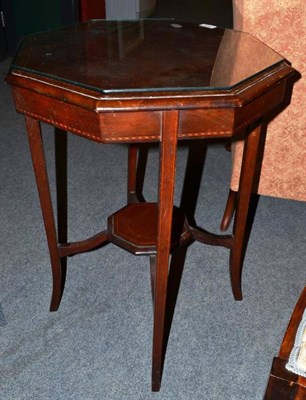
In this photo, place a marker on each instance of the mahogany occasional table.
(284, 384)
(146, 81)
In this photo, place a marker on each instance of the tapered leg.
(137, 161)
(153, 276)
(132, 172)
(174, 282)
(229, 210)
(39, 165)
(165, 210)
(248, 172)
(193, 178)
(61, 193)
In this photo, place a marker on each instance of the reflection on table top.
(144, 55)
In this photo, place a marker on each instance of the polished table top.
(144, 56)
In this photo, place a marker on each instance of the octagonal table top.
(145, 56)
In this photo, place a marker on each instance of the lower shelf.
(134, 228)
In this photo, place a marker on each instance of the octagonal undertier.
(134, 228)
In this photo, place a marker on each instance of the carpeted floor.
(98, 345)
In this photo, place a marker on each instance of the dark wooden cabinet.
(214, 12)
(3, 45)
(91, 9)
(25, 17)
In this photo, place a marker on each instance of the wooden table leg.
(132, 172)
(165, 210)
(60, 137)
(137, 161)
(192, 180)
(248, 172)
(229, 210)
(39, 165)
(284, 384)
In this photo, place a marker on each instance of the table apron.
(143, 126)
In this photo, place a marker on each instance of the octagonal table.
(146, 81)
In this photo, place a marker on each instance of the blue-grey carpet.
(98, 345)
